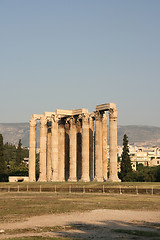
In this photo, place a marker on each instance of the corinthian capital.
(85, 117)
(43, 121)
(33, 122)
(113, 113)
(98, 115)
(55, 118)
(66, 125)
(72, 121)
(78, 123)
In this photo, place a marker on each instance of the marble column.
(113, 145)
(104, 147)
(54, 149)
(73, 151)
(43, 145)
(79, 149)
(91, 148)
(67, 150)
(98, 148)
(61, 153)
(49, 154)
(85, 148)
(32, 150)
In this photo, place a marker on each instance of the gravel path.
(96, 224)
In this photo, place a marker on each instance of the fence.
(81, 189)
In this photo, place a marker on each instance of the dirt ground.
(95, 224)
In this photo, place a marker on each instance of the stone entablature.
(73, 145)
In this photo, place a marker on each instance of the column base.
(54, 180)
(61, 180)
(98, 179)
(105, 179)
(84, 180)
(42, 180)
(114, 179)
(72, 179)
(32, 180)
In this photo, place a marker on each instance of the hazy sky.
(79, 53)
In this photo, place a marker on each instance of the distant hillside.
(12, 132)
(139, 135)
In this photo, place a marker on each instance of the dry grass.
(19, 206)
(39, 229)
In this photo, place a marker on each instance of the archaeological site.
(73, 145)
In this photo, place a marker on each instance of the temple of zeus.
(73, 145)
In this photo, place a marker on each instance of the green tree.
(157, 174)
(19, 157)
(10, 154)
(20, 170)
(125, 162)
(3, 165)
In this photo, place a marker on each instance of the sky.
(68, 54)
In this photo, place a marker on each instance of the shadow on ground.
(113, 230)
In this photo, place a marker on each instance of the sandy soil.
(96, 224)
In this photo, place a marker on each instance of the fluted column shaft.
(73, 151)
(43, 145)
(98, 148)
(113, 145)
(32, 150)
(85, 148)
(79, 149)
(67, 150)
(54, 149)
(104, 147)
(61, 153)
(91, 148)
(49, 154)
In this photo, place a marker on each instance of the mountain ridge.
(137, 134)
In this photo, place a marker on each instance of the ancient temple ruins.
(73, 145)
